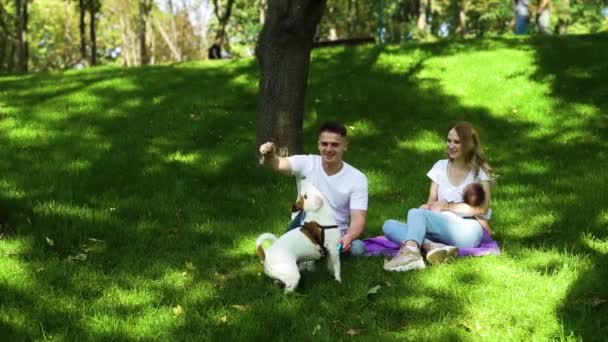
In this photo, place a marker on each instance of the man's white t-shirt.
(452, 193)
(345, 190)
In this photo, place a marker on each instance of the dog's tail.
(259, 248)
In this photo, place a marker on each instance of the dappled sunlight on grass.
(425, 141)
(362, 128)
(602, 218)
(9, 190)
(594, 243)
(185, 158)
(537, 220)
(533, 167)
(380, 182)
(63, 210)
(146, 183)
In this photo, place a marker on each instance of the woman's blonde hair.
(471, 147)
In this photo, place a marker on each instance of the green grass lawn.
(136, 197)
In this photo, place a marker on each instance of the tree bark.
(283, 53)
(262, 11)
(421, 22)
(174, 49)
(93, 33)
(144, 11)
(222, 18)
(21, 45)
(82, 26)
(4, 38)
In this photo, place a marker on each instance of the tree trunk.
(203, 27)
(25, 51)
(92, 24)
(283, 52)
(462, 20)
(421, 22)
(3, 49)
(144, 12)
(4, 38)
(82, 26)
(262, 11)
(220, 34)
(333, 26)
(174, 49)
(21, 34)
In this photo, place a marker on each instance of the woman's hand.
(439, 206)
(425, 206)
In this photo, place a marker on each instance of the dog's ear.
(299, 205)
(313, 231)
(260, 252)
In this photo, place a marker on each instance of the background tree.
(82, 26)
(283, 52)
(6, 38)
(222, 14)
(21, 42)
(93, 7)
(145, 6)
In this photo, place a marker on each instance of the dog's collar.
(323, 228)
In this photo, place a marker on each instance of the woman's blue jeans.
(439, 227)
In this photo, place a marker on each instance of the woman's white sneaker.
(438, 253)
(408, 258)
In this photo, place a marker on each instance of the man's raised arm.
(270, 159)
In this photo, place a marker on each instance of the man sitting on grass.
(344, 186)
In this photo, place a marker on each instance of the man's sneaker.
(407, 259)
(438, 253)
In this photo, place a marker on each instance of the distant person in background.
(522, 16)
(215, 51)
(543, 17)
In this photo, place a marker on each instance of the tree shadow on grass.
(160, 169)
(576, 67)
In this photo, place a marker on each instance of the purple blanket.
(382, 246)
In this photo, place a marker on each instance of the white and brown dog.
(318, 236)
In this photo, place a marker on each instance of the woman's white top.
(450, 192)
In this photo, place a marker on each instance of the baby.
(474, 195)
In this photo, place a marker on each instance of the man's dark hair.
(333, 127)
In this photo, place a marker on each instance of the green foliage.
(54, 35)
(145, 182)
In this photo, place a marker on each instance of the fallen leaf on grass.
(597, 301)
(178, 310)
(190, 266)
(316, 329)
(465, 326)
(224, 319)
(79, 257)
(352, 332)
(239, 307)
(50, 242)
(374, 290)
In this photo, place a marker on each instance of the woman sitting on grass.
(445, 223)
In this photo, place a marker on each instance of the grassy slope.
(157, 164)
